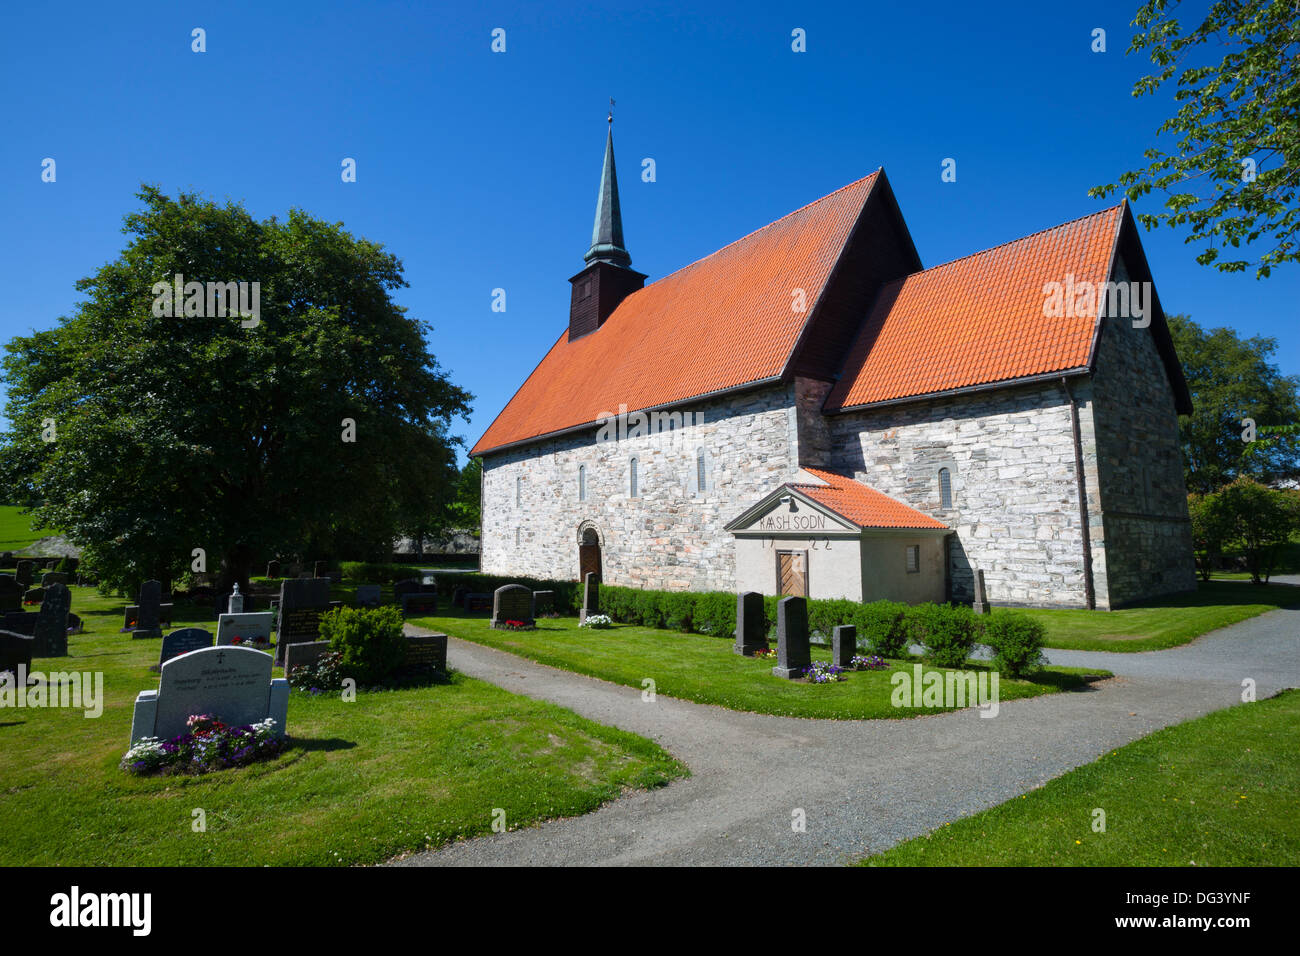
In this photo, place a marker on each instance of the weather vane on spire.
(611, 111)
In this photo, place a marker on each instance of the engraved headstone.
(844, 644)
(512, 602)
(232, 684)
(147, 619)
(25, 574)
(53, 577)
(590, 596)
(302, 602)
(273, 569)
(751, 624)
(368, 595)
(458, 597)
(543, 603)
(478, 601)
(236, 605)
(11, 593)
(182, 642)
(318, 569)
(302, 654)
(34, 596)
(419, 602)
(250, 628)
(52, 623)
(426, 650)
(793, 653)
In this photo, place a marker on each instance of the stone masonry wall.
(1015, 505)
(671, 535)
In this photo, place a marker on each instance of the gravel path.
(863, 785)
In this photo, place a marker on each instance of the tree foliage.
(467, 508)
(180, 433)
(1232, 379)
(1248, 516)
(1235, 170)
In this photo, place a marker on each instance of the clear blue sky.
(479, 170)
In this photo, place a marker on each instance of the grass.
(392, 773)
(705, 669)
(16, 531)
(1164, 622)
(1215, 791)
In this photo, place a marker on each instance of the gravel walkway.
(863, 785)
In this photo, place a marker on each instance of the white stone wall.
(671, 535)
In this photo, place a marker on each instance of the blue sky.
(479, 169)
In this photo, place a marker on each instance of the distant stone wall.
(1015, 506)
(671, 535)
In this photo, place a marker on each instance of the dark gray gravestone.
(20, 622)
(273, 569)
(11, 593)
(844, 644)
(146, 620)
(478, 601)
(53, 577)
(300, 655)
(419, 602)
(369, 595)
(512, 602)
(981, 605)
(34, 596)
(302, 602)
(74, 623)
(15, 652)
(426, 650)
(52, 623)
(543, 603)
(182, 642)
(751, 624)
(458, 597)
(590, 596)
(25, 574)
(318, 569)
(792, 651)
(403, 587)
(7, 560)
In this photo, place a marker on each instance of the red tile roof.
(864, 506)
(719, 323)
(980, 319)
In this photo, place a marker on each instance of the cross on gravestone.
(844, 644)
(52, 623)
(302, 602)
(25, 574)
(146, 619)
(232, 684)
(793, 652)
(182, 642)
(590, 596)
(751, 624)
(980, 605)
(512, 602)
(11, 593)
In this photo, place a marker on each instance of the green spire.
(607, 233)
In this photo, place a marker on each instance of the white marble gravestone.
(253, 626)
(231, 683)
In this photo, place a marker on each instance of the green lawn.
(704, 669)
(1165, 622)
(16, 530)
(1216, 791)
(392, 773)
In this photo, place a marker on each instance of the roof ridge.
(1009, 242)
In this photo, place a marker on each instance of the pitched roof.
(719, 323)
(979, 319)
(864, 506)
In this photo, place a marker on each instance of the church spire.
(607, 233)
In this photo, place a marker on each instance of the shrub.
(646, 610)
(1017, 642)
(370, 641)
(882, 628)
(678, 609)
(715, 613)
(366, 572)
(947, 632)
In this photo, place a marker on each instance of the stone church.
(810, 411)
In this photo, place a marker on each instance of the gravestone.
(232, 684)
(52, 623)
(543, 603)
(844, 644)
(20, 622)
(302, 602)
(74, 623)
(53, 577)
(147, 615)
(369, 595)
(25, 574)
(980, 605)
(273, 569)
(426, 650)
(751, 624)
(478, 601)
(250, 628)
(590, 596)
(458, 597)
(419, 602)
(793, 653)
(11, 593)
(130, 618)
(318, 569)
(300, 655)
(7, 560)
(512, 602)
(15, 652)
(34, 596)
(236, 604)
(182, 642)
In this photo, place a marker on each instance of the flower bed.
(820, 672)
(873, 662)
(597, 621)
(209, 745)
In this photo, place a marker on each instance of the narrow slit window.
(945, 488)
(582, 482)
(701, 479)
(632, 478)
(913, 558)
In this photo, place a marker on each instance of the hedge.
(367, 572)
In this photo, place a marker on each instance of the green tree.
(172, 434)
(1235, 168)
(1212, 528)
(1262, 520)
(467, 509)
(1232, 379)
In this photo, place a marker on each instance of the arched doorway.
(589, 553)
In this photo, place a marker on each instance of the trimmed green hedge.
(367, 572)
(568, 594)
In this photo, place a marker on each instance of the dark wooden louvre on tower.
(608, 278)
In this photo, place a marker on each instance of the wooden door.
(588, 560)
(792, 573)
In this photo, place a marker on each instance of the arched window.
(945, 488)
(519, 492)
(701, 475)
(632, 478)
(582, 482)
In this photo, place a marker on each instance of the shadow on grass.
(325, 744)
(1220, 593)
